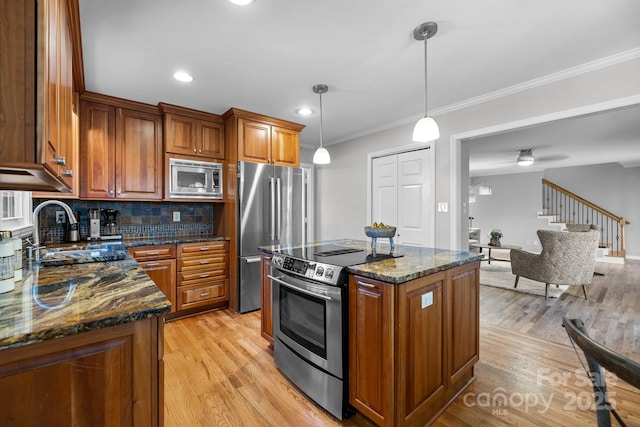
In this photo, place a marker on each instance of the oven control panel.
(325, 273)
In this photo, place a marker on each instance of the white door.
(403, 195)
(385, 190)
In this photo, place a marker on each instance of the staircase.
(561, 207)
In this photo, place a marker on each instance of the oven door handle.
(304, 291)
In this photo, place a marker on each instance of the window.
(15, 211)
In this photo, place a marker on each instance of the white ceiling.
(267, 56)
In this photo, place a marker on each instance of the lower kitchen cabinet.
(203, 275)
(266, 326)
(412, 346)
(108, 376)
(159, 262)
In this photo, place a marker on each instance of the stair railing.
(570, 208)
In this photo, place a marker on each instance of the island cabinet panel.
(464, 315)
(110, 376)
(412, 346)
(266, 313)
(371, 359)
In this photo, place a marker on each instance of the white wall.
(342, 184)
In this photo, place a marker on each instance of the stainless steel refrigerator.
(271, 211)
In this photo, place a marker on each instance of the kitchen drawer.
(203, 248)
(198, 295)
(150, 253)
(205, 262)
(195, 277)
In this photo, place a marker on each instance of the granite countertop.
(55, 301)
(171, 240)
(407, 263)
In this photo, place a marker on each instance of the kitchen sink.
(79, 254)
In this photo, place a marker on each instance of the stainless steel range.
(310, 313)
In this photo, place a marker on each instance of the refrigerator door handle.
(278, 209)
(272, 206)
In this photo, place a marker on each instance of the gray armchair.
(566, 259)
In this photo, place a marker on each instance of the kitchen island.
(82, 344)
(413, 334)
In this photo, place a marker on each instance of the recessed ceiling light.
(242, 2)
(182, 76)
(305, 111)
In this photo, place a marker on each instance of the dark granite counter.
(407, 263)
(173, 240)
(56, 301)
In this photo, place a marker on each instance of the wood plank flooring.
(219, 371)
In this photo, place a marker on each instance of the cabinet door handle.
(111, 192)
(119, 192)
(199, 151)
(195, 151)
(68, 173)
(61, 161)
(368, 285)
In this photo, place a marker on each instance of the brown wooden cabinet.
(36, 47)
(203, 275)
(193, 133)
(266, 319)
(263, 139)
(412, 346)
(159, 262)
(121, 149)
(113, 375)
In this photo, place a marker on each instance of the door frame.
(398, 150)
(456, 186)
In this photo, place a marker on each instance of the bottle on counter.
(7, 269)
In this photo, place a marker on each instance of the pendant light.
(426, 129)
(321, 156)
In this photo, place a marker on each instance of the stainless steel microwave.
(194, 179)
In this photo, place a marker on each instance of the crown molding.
(520, 87)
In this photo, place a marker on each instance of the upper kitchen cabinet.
(120, 149)
(192, 133)
(36, 131)
(262, 139)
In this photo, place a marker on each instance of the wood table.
(488, 246)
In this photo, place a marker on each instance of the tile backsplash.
(137, 220)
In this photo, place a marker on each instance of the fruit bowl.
(380, 231)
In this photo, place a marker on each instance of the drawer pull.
(202, 276)
(153, 253)
(368, 285)
(153, 264)
(204, 262)
(204, 294)
(205, 249)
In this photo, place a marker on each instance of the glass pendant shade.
(426, 130)
(321, 156)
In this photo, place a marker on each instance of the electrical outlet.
(176, 216)
(60, 218)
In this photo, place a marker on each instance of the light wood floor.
(220, 372)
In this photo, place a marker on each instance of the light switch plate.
(443, 207)
(427, 299)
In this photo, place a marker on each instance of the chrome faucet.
(35, 241)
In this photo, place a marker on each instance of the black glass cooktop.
(337, 255)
